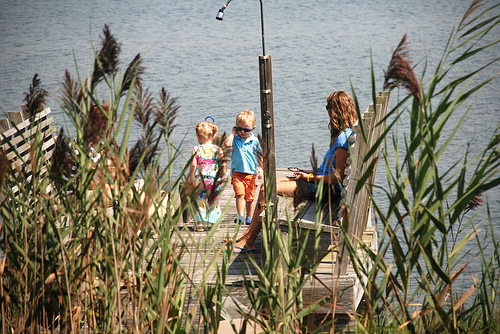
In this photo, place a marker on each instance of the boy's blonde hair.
(206, 130)
(246, 116)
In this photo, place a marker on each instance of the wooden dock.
(347, 287)
(335, 277)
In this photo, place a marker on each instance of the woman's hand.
(297, 176)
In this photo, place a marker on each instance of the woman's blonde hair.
(206, 130)
(342, 112)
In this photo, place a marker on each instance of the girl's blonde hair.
(206, 130)
(342, 112)
(246, 116)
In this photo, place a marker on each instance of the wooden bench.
(18, 133)
(336, 267)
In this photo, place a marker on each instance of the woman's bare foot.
(243, 245)
(238, 239)
(230, 240)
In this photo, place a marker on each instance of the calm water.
(212, 66)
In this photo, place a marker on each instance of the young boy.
(246, 163)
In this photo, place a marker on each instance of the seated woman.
(342, 113)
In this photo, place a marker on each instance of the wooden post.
(267, 120)
(16, 117)
(4, 125)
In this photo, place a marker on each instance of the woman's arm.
(340, 164)
(338, 174)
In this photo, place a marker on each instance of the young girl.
(207, 160)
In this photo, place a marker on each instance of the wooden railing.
(358, 201)
(17, 135)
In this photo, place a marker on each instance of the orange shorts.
(244, 184)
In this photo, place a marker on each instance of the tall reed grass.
(111, 256)
(428, 220)
(98, 253)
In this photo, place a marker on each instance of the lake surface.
(212, 66)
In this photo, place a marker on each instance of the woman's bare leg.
(246, 240)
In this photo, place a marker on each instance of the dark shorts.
(306, 191)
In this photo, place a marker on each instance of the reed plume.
(472, 8)
(134, 70)
(167, 110)
(144, 109)
(98, 124)
(400, 72)
(71, 93)
(62, 160)
(106, 63)
(155, 122)
(36, 96)
(474, 203)
(143, 114)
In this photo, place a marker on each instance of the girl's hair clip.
(211, 118)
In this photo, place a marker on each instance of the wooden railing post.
(359, 204)
(267, 120)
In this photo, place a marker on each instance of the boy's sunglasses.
(243, 129)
